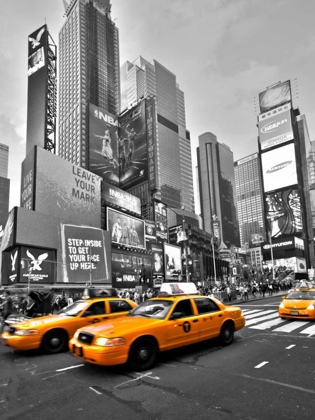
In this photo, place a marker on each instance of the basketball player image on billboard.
(107, 150)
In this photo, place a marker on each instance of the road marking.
(97, 392)
(250, 311)
(268, 324)
(70, 367)
(263, 318)
(52, 376)
(261, 365)
(291, 326)
(309, 330)
(260, 314)
(290, 347)
(270, 381)
(145, 375)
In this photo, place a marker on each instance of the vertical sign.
(151, 142)
(27, 181)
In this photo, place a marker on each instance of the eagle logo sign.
(36, 42)
(36, 263)
(13, 261)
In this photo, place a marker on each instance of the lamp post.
(213, 257)
(271, 252)
(185, 248)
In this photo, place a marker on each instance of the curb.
(254, 299)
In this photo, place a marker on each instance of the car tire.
(227, 334)
(142, 354)
(55, 341)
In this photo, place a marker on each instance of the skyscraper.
(4, 160)
(4, 186)
(249, 197)
(141, 79)
(217, 189)
(88, 73)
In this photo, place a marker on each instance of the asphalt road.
(267, 373)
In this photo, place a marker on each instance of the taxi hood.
(43, 320)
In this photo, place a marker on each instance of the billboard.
(133, 157)
(281, 244)
(284, 213)
(66, 191)
(275, 127)
(157, 261)
(255, 239)
(173, 261)
(150, 230)
(125, 229)
(120, 198)
(86, 254)
(275, 96)
(130, 270)
(216, 229)
(27, 182)
(151, 142)
(160, 217)
(37, 264)
(104, 144)
(298, 265)
(279, 168)
(177, 233)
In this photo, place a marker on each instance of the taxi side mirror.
(176, 315)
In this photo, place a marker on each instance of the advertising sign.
(133, 157)
(104, 145)
(275, 96)
(157, 261)
(37, 264)
(177, 232)
(10, 266)
(173, 261)
(125, 229)
(130, 270)
(150, 230)
(151, 142)
(298, 265)
(86, 254)
(284, 213)
(27, 182)
(66, 191)
(216, 229)
(275, 127)
(281, 244)
(279, 168)
(247, 159)
(256, 239)
(160, 216)
(120, 198)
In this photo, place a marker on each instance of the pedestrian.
(7, 308)
(246, 293)
(228, 291)
(270, 289)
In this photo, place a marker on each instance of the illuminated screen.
(284, 213)
(104, 145)
(173, 261)
(133, 156)
(279, 168)
(39, 264)
(120, 198)
(160, 215)
(275, 127)
(157, 260)
(129, 270)
(256, 239)
(275, 96)
(125, 229)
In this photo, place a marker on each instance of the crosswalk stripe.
(291, 326)
(268, 324)
(310, 330)
(250, 311)
(260, 314)
(263, 318)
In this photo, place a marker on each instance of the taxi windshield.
(157, 309)
(298, 295)
(74, 309)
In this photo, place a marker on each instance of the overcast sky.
(223, 53)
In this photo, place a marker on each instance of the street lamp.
(185, 248)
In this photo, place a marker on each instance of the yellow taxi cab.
(299, 303)
(52, 333)
(179, 316)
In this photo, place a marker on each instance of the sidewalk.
(251, 298)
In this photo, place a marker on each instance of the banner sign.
(124, 229)
(275, 96)
(27, 181)
(275, 127)
(120, 198)
(157, 261)
(173, 261)
(151, 142)
(284, 213)
(86, 254)
(160, 216)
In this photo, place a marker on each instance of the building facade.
(141, 79)
(249, 197)
(217, 190)
(4, 186)
(88, 74)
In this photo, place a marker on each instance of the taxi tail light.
(311, 306)
(109, 342)
(26, 332)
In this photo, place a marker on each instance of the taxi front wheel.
(55, 341)
(227, 334)
(143, 354)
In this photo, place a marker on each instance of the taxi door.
(185, 329)
(93, 314)
(210, 317)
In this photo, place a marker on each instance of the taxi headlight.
(109, 342)
(311, 306)
(26, 332)
(76, 334)
(281, 305)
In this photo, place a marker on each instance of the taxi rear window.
(119, 306)
(157, 309)
(205, 305)
(298, 295)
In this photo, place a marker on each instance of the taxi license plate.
(294, 313)
(78, 351)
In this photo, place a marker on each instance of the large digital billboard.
(120, 198)
(157, 261)
(66, 191)
(256, 239)
(298, 265)
(130, 270)
(173, 261)
(86, 254)
(275, 127)
(284, 213)
(104, 145)
(133, 156)
(275, 96)
(160, 217)
(279, 168)
(125, 229)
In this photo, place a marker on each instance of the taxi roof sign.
(92, 293)
(177, 289)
